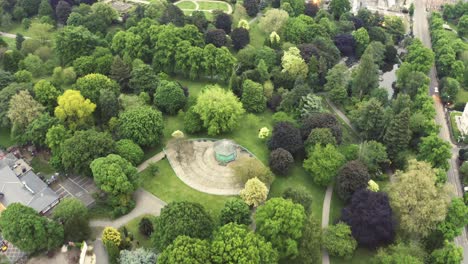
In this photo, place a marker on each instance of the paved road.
(421, 30)
(326, 218)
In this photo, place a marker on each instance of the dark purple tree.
(281, 161)
(371, 219)
(346, 44)
(357, 22)
(240, 38)
(353, 176)
(321, 120)
(286, 136)
(62, 11)
(251, 6)
(224, 22)
(311, 9)
(216, 37)
(307, 51)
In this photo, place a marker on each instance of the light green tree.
(294, 64)
(254, 193)
(339, 241)
(323, 163)
(74, 110)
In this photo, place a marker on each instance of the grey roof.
(224, 147)
(8, 160)
(27, 189)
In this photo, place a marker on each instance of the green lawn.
(5, 138)
(132, 227)
(360, 256)
(186, 5)
(167, 186)
(213, 6)
(11, 42)
(41, 165)
(453, 124)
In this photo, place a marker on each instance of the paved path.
(341, 115)
(153, 159)
(326, 218)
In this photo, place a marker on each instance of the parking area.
(79, 187)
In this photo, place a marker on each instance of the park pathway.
(197, 6)
(341, 115)
(146, 203)
(326, 219)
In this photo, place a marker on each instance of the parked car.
(436, 90)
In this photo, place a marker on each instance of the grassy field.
(186, 5)
(41, 165)
(462, 96)
(5, 138)
(142, 240)
(167, 186)
(453, 124)
(213, 6)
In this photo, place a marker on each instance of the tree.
(369, 119)
(400, 253)
(251, 6)
(420, 57)
(185, 249)
(192, 121)
(173, 14)
(321, 120)
(353, 176)
(321, 136)
(394, 25)
(181, 218)
(11, 59)
(398, 134)
(337, 239)
(234, 243)
(287, 137)
(463, 26)
(19, 40)
(370, 217)
(199, 20)
(373, 154)
(74, 110)
(254, 193)
(23, 110)
(224, 21)
(449, 254)
(300, 196)
(450, 88)
(281, 161)
(92, 84)
(140, 255)
(41, 32)
(339, 7)
(35, 132)
(83, 147)
(63, 76)
(27, 230)
(219, 110)
(46, 93)
(409, 81)
(310, 243)
(253, 99)
(418, 202)
(362, 40)
(456, 219)
(217, 37)
(112, 235)
(73, 215)
(23, 76)
(235, 211)
(293, 64)
(435, 151)
(5, 96)
(74, 42)
(145, 227)
(240, 38)
(108, 105)
(130, 151)
(337, 81)
(366, 78)
(62, 11)
(169, 97)
(143, 125)
(310, 104)
(143, 79)
(120, 72)
(118, 178)
(281, 221)
(273, 20)
(33, 64)
(45, 9)
(323, 163)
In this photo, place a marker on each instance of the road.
(421, 30)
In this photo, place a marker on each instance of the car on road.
(436, 90)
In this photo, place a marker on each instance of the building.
(19, 184)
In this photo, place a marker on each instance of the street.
(421, 31)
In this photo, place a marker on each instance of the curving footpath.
(197, 6)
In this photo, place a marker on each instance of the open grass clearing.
(139, 240)
(213, 5)
(186, 5)
(462, 96)
(41, 165)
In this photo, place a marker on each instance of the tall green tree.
(92, 84)
(449, 254)
(46, 93)
(23, 110)
(339, 7)
(185, 249)
(143, 125)
(169, 97)
(366, 78)
(27, 230)
(73, 215)
(253, 99)
(323, 163)
(74, 110)
(456, 219)
(234, 243)
(339, 241)
(398, 134)
(74, 42)
(281, 222)
(436, 151)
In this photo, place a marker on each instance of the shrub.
(286, 136)
(235, 211)
(145, 227)
(281, 161)
(300, 196)
(130, 151)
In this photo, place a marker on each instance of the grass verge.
(139, 239)
(5, 138)
(456, 133)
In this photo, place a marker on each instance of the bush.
(235, 211)
(192, 121)
(321, 120)
(146, 227)
(130, 151)
(169, 97)
(286, 136)
(337, 239)
(240, 38)
(281, 161)
(300, 196)
(352, 177)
